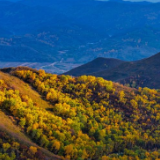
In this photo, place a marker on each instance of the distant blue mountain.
(78, 31)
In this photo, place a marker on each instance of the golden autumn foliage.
(56, 145)
(13, 150)
(89, 118)
(33, 150)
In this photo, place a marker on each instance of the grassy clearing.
(6, 123)
(25, 89)
(14, 131)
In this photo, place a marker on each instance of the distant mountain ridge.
(142, 73)
(74, 31)
(97, 65)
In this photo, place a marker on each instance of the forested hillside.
(14, 143)
(87, 117)
(13, 150)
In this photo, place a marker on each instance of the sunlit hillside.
(78, 118)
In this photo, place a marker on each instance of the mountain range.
(76, 32)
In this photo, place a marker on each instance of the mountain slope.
(24, 89)
(91, 117)
(9, 123)
(144, 73)
(99, 64)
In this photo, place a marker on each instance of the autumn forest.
(86, 118)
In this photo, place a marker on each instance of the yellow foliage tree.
(69, 149)
(33, 150)
(56, 145)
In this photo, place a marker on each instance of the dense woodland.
(90, 117)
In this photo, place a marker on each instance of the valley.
(56, 67)
(66, 31)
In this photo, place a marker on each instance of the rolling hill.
(142, 73)
(75, 117)
(48, 116)
(97, 65)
